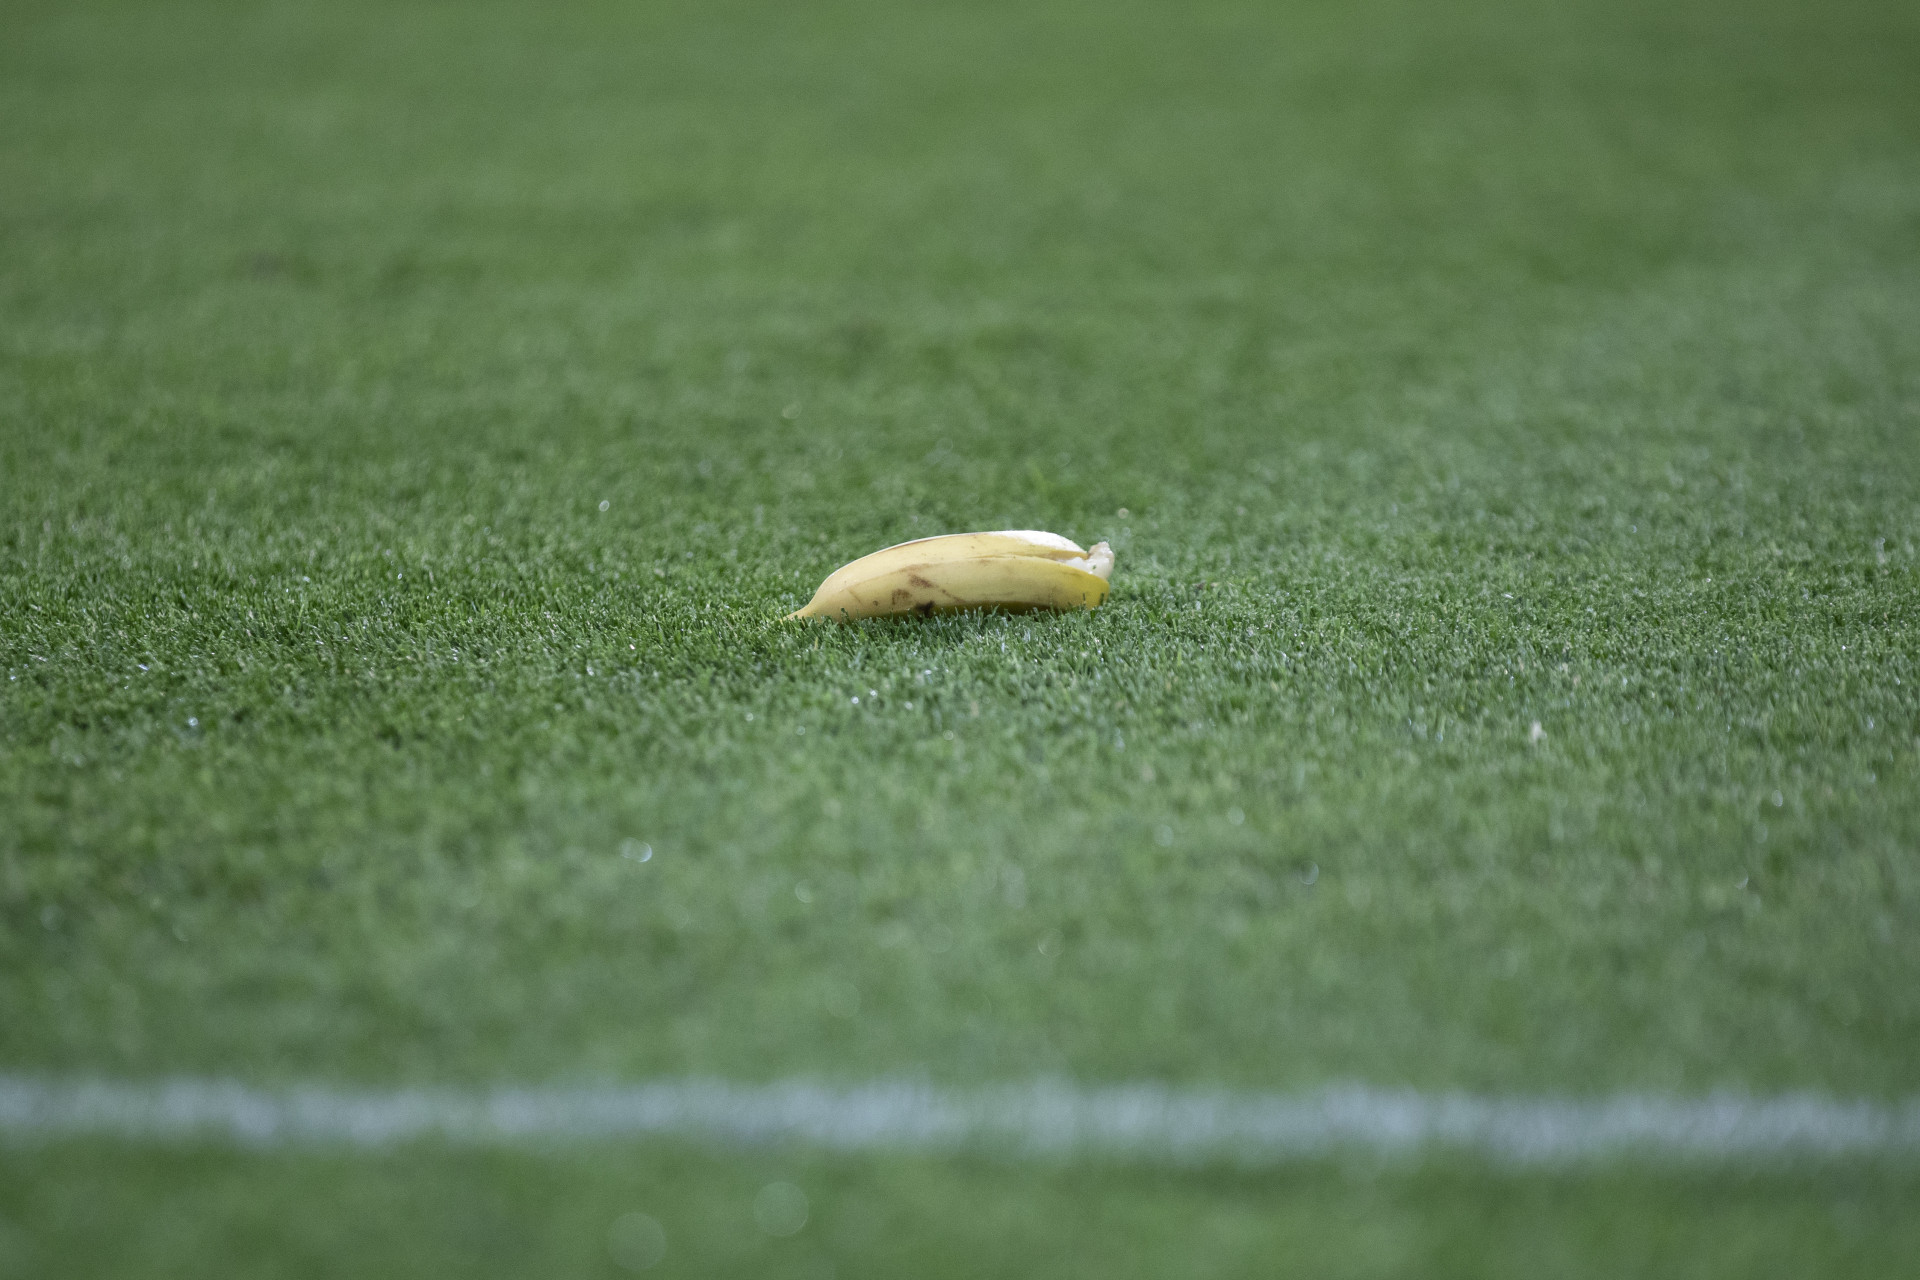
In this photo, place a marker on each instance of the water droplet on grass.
(635, 1242)
(780, 1209)
(1235, 816)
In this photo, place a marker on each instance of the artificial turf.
(414, 420)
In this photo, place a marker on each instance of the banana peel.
(1010, 569)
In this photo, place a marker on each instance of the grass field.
(414, 420)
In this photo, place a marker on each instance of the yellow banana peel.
(1011, 569)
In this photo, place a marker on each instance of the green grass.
(432, 1211)
(415, 419)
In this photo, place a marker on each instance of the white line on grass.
(1041, 1118)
